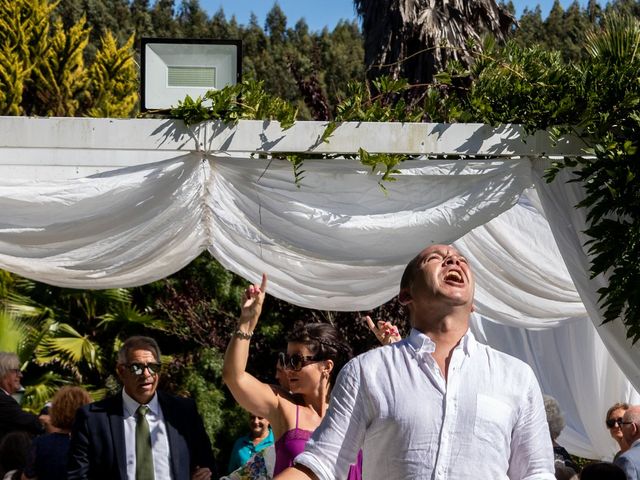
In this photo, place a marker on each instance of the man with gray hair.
(629, 461)
(140, 433)
(12, 417)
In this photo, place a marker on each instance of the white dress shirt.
(159, 438)
(487, 421)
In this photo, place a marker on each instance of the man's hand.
(385, 332)
(201, 473)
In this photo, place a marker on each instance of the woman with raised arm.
(315, 354)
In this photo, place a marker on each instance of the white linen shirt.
(486, 422)
(159, 438)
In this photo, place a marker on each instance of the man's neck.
(6, 388)
(445, 330)
(446, 333)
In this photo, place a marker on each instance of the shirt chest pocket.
(493, 421)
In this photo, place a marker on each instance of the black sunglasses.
(138, 368)
(612, 422)
(296, 361)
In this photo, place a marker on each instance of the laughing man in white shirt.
(438, 405)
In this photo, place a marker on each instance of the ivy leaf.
(328, 131)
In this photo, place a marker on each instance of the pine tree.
(342, 59)
(193, 20)
(43, 68)
(576, 23)
(59, 78)
(112, 80)
(625, 7)
(141, 18)
(218, 26)
(163, 19)
(24, 29)
(276, 24)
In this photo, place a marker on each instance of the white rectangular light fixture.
(172, 68)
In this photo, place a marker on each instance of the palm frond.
(12, 332)
(126, 314)
(70, 349)
(415, 39)
(41, 391)
(617, 41)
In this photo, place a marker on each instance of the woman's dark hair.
(325, 342)
(14, 449)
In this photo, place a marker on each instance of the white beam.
(75, 147)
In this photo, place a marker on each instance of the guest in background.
(629, 461)
(260, 437)
(613, 421)
(14, 448)
(141, 432)
(261, 465)
(556, 425)
(565, 473)
(48, 455)
(12, 417)
(602, 471)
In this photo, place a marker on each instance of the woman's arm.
(252, 395)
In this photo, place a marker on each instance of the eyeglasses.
(138, 368)
(613, 422)
(296, 361)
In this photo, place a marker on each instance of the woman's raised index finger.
(370, 323)
(263, 285)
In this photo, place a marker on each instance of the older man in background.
(629, 461)
(140, 433)
(12, 417)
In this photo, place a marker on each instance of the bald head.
(437, 284)
(631, 425)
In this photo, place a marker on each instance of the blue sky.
(321, 13)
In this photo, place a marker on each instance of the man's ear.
(473, 307)
(404, 297)
(120, 370)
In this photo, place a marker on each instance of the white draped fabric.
(340, 242)
(523, 284)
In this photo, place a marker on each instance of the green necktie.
(144, 456)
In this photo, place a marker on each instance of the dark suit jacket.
(13, 418)
(97, 448)
(629, 461)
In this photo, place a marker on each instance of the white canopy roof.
(97, 203)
